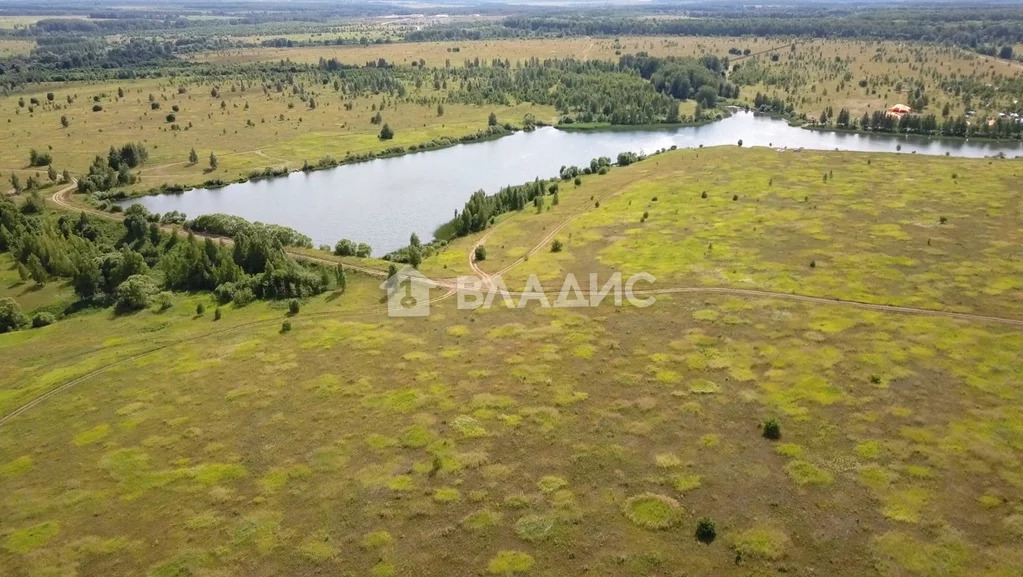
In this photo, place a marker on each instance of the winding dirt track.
(60, 198)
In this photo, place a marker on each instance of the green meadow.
(554, 442)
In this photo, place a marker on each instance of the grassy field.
(817, 73)
(871, 224)
(29, 296)
(250, 131)
(568, 441)
(13, 47)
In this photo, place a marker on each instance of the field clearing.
(435, 53)
(871, 224)
(289, 463)
(510, 441)
(14, 47)
(815, 71)
(29, 296)
(249, 131)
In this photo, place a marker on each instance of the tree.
(386, 133)
(480, 253)
(16, 183)
(415, 256)
(492, 119)
(135, 293)
(51, 173)
(707, 96)
(294, 306)
(772, 429)
(1006, 52)
(556, 246)
(36, 270)
(65, 176)
(213, 161)
(200, 309)
(10, 315)
(414, 240)
(440, 110)
(37, 158)
(341, 277)
(345, 247)
(672, 116)
(193, 157)
(64, 121)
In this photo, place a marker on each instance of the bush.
(285, 326)
(578, 181)
(481, 253)
(43, 320)
(164, 300)
(217, 315)
(556, 246)
(772, 429)
(386, 133)
(345, 247)
(294, 307)
(97, 108)
(135, 292)
(10, 315)
(200, 309)
(705, 531)
(224, 292)
(243, 296)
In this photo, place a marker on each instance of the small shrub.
(285, 326)
(217, 315)
(165, 301)
(772, 429)
(200, 309)
(556, 246)
(43, 320)
(706, 532)
(97, 108)
(294, 306)
(703, 194)
(813, 264)
(652, 511)
(943, 220)
(481, 253)
(578, 181)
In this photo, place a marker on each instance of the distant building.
(899, 110)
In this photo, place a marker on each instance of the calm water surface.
(382, 202)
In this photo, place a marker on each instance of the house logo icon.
(408, 293)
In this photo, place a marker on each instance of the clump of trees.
(128, 264)
(234, 226)
(345, 247)
(115, 170)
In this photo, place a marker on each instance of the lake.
(381, 202)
